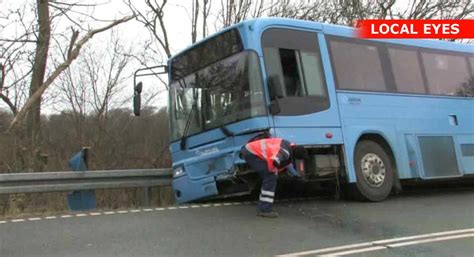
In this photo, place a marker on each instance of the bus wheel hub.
(373, 169)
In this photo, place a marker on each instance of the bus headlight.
(178, 171)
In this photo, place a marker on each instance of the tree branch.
(9, 103)
(18, 40)
(75, 34)
(73, 55)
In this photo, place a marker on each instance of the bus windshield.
(224, 92)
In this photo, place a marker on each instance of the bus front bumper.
(186, 190)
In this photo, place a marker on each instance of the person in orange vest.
(267, 157)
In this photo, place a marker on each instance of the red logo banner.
(415, 28)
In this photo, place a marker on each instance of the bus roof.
(260, 24)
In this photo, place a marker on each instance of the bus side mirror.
(137, 98)
(276, 92)
(274, 107)
(275, 87)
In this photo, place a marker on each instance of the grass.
(40, 204)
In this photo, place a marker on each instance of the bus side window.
(357, 65)
(447, 74)
(471, 60)
(291, 72)
(274, 69)
(295, 63)
(313, 73)
(406, 70)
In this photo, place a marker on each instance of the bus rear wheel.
(374, 171)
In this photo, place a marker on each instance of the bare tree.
(90, 87)
(234, 11)
(18, 66)
(437, 9)
(199, 8)
(111, 68)
(15, 52)
(346, 12)
(73, 52)
(37, 77)
(194, 19)
(153, 19)
(206, 10)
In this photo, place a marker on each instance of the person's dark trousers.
(269, 182)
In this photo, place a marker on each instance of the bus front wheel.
(374, 171)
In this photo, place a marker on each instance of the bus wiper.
(227, 132)
(186, 127)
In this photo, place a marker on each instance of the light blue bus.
(371, 113)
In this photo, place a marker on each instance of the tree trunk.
(32, 129)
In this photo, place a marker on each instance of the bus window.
(446, 73)
(297, 64)
(314, 80)
(357, 65)
(406, 71)
(468, 88)
(291, 72)
(471, 60)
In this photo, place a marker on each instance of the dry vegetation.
(122, 141)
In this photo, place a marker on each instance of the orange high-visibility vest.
(267, 149)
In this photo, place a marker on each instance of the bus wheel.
(374, 172)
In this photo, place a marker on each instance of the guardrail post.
(85, 199)
(146, 197)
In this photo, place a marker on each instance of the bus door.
(302, 93)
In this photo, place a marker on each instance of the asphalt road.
(232, 229)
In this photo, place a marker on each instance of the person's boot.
(267, 214)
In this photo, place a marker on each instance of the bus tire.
(374, 172)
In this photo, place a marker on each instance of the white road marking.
(136, 210)
(398, 239)
(436, 239)
(325, 250)
(368, 249)
(387, 243)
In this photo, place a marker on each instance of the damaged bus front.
(216, 103)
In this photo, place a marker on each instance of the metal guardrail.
(11, 183)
